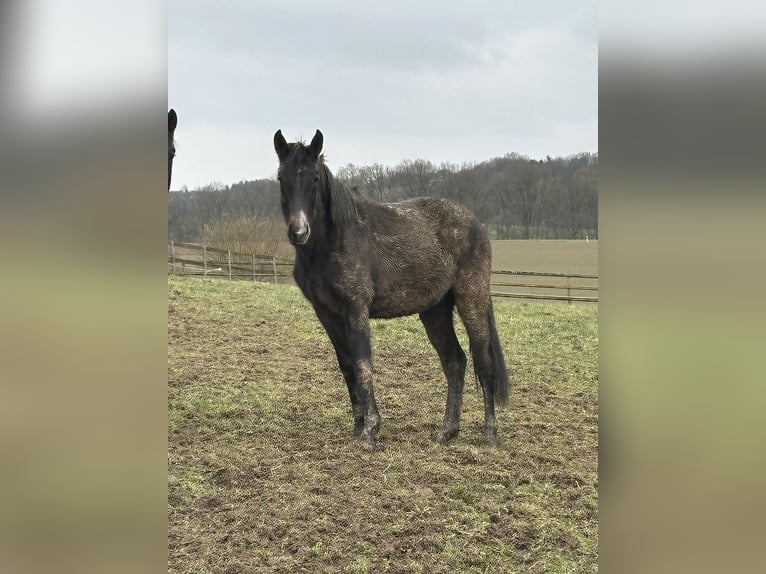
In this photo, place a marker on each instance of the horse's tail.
(500, 383)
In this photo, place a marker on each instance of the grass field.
(550, 256)
(263, 475)
(557, 256)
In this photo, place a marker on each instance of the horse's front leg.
(334, 327)
(346, 364)
(358, 336)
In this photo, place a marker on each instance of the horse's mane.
(341, 198)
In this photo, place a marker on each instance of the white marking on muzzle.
(299, 227)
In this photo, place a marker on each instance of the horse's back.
(457, 230)
(417, 249)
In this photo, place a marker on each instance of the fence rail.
(200, 260)
(574, 282)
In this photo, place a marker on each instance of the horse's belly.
(408, 298)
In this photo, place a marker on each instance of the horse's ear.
(280, 146)
(172, 120)
(315, 147)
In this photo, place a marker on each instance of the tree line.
(513, 196)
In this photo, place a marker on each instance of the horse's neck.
(323, 241)
(326, 234)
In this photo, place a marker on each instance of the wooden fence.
(193, 259)
(549, 287)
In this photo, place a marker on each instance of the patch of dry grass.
(554, 255)
(263, 474)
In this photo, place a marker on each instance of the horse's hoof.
(368, 445)
(368, 438)
(358, 428)
(490, 439)
(447, 435)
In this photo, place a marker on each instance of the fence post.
(253, 267)
(173, 256)
(569, 291)
(229, 260)
(204, 258)
(274, 267)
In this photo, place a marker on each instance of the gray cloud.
(459, 81)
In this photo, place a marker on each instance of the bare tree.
(375, 181)
(514, 196)
(416, 177)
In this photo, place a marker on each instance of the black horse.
(172, 121)
(356, 259)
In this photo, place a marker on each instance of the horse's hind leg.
(441, 333)
(474, 310)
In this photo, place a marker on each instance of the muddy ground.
(264, 476)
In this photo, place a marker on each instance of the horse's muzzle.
(299, 237)
(298, 230)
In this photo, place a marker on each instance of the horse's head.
(172, 121)
(298, 175)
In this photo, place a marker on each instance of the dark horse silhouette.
(356, 259)
(172, 121)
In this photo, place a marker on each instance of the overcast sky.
(385, 81)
